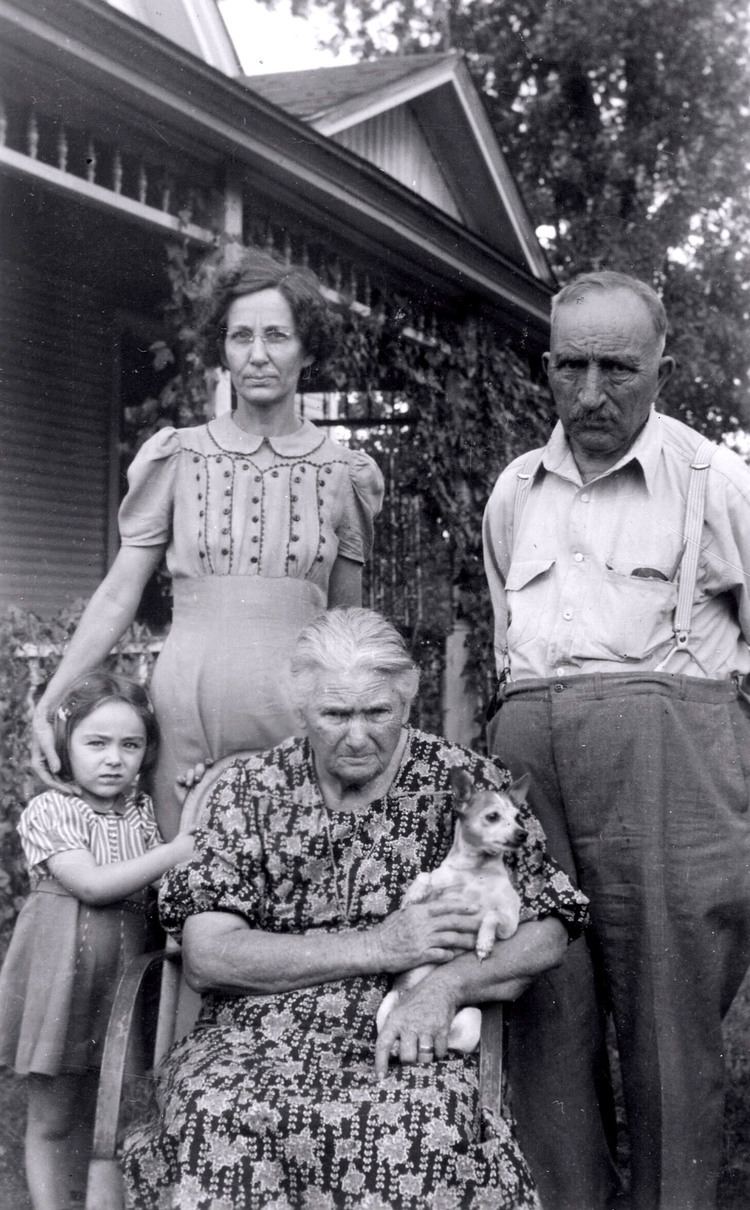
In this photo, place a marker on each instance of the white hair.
(345, 640)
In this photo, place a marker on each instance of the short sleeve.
(52, 823)
(225, 874)
(145, 516)
(355, 531)
(149, 828)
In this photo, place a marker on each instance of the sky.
(273, 40)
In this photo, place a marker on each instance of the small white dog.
(487, 826)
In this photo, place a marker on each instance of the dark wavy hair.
(250, 271)
(85, 696)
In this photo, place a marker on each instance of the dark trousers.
(642, 784)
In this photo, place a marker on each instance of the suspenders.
(691, 544)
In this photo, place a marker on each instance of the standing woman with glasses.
(265, 522)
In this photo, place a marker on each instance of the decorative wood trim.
(67, 183)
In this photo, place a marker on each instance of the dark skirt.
(60, 975)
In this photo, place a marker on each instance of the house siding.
(55, 436)
(395, 142)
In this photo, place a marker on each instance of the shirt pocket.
(527, 588)
(634, 616)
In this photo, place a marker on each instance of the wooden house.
(125, 125)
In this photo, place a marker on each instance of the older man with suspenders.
(618, 560)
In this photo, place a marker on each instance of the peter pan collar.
(230, 437)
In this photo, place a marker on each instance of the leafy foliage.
(627, 128)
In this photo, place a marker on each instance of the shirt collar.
(231, 437)
(645, 451)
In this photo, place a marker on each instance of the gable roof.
(327, 95)
(429, 103)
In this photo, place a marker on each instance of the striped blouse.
(54, 822)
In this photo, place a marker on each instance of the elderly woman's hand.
(431, 932)
(416, 1029)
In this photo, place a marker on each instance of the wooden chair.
(104, 1189)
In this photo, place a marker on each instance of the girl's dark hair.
(88, 693)
(251, 270)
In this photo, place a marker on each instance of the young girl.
(92, 854)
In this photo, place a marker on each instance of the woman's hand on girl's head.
(45, 762)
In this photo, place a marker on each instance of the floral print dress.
(271, 1101)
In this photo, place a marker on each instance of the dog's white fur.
(487, 826)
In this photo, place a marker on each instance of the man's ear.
(545, 363)
(666, 367)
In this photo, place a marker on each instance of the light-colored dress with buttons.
(253, 527)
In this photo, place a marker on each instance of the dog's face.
(489, 819)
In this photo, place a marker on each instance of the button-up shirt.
(589, 581)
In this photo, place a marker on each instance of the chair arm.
(491, 1055)
(112, 1072)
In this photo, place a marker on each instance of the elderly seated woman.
(292, 930)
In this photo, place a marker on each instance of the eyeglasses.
(271, 337)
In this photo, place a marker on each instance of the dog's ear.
(462, 785)
(518, 791)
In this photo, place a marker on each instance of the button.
(319, 559)
(227, 491)
(295, 517)
(559, 672)
(255, 539)
(255, 519)
(196, 458)
(245, 466)
(201, 513)
(291, 555)
(224, 551)
(255, 500)
(567, 614)
(257, 478)
(197, 478)
(294, 499)
(558, 688)
(585, 498)
(202, 554)
(225, 530)
(297, 479)
(227, 474)
(294, 537)
(578, 557)
(226, 511)
(329, 470)
(200, 495)
(254, 559)
(275, 474)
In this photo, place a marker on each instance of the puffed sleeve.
(152, 837)
(225, 873)
(355, 531)
(52, 823)
(145, 516)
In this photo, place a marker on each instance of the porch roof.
(121, 76)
